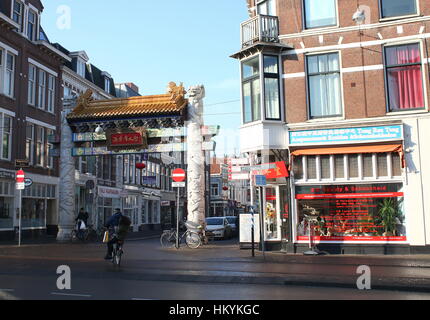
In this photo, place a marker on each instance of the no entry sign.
(20, 177)
(178, 175)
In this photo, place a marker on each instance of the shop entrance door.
(271, 213)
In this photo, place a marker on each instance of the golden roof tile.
(171, 103)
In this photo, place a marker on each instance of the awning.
(383, 148)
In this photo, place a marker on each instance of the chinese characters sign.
(124, 140)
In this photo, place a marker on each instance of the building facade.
(30, 102)
(343, 86)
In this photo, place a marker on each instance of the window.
(81, 68)
(6, 136)
(107, 84)
(17, 13)
(251, 90)
(266, 7)
(9, 75)
(29, 142)
(271, 88)
(395, 8)
(404, 77)
(214, 189)
(40, 146)
(320, 13)
(367, 166)
(51, 93)
(324, 85)
(42, 89)
(31, 25)
(32, 85)
(50, 163)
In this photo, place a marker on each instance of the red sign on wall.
(279, 172)
(126, 139)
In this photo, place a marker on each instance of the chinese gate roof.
(172, 103)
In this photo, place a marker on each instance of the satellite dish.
(359, 17)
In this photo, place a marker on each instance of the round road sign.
(178, 175)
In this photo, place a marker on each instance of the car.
(233, 222)
(219, 227)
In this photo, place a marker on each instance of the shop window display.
(370, 212)
(271, 215)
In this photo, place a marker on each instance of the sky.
(152, 43)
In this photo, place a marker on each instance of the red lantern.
(140, 166)
(225, 188)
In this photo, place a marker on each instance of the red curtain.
(408, 79)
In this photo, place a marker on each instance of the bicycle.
(117, 253)
(193, 237)
(88, 234)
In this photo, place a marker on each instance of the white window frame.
(381, 18)
(9, 74)
(32, 85)
(33, 36)
(29, 142)
(10, 134)
(51, 93)
(305, 28)
(21, 15)
(374, 178)
(41, 94)
(49, 146)
(80, 67)
(107, 84)
(40, 146)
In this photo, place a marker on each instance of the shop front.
(348, 189)
(108, 200)
(7, 205)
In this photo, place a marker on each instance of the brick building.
(30, 101)
(343, 86)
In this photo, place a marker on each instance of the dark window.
(395, 8)
(271, 88)
(404, 77)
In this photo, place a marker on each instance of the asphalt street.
(219, 271)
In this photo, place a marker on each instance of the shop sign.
(117, 140)
(149, 180)
(7, 175)
(106, 192)
(346, 135)
(350, 213)
(277, 170)
(165, 203)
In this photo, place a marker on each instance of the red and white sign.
(235, 169)
(178, 175)
(20, 180)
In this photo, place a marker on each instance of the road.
(150, 273)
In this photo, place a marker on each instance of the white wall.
(417, 180)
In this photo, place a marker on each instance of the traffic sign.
(260, 181)
(178, 175)
(28, 182)
(178, 184)
(20, 178)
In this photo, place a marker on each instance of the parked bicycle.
(88, 234)
(193, 236)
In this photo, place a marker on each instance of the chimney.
(132, 86)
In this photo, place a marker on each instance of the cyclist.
(120, 224)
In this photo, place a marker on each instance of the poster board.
(245, 223)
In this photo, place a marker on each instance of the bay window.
(32, 85)
(320, 13)
(395, 8)
(251, 90)
(403, 70)
(271, 87)
(324, 85)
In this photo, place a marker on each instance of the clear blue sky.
(152, 43)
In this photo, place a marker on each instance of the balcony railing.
(260, 29)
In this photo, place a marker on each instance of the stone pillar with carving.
(195, 156)
(66, 219)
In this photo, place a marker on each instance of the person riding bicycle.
(120, 223)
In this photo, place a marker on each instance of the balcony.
(261, 28)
